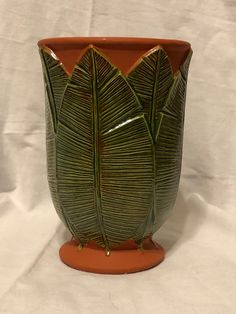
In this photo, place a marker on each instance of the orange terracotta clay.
(123, 52)
(127, 258)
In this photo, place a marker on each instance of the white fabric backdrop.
(199, 273)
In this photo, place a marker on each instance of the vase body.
(114, 119)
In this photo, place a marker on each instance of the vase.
(114, 134)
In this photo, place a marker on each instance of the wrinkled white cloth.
(199, 272)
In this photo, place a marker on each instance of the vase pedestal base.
(124, 259)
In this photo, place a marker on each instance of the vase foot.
(129, 259)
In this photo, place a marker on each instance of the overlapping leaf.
(104, 154)
(55, 82)
(55, 79)
(162, 93)
(151, 79)
(169, 142)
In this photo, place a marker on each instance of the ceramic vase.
(114, 134)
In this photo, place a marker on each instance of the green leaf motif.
(169, 142)
(151, 79)
(185, 66)
(104, 160)
(55, 78)
(162, 93)
(114, 144)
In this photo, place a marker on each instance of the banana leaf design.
(151, 79)
(114, 144)
(55, 79)
(163, 97)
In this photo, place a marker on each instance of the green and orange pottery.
(114, 134)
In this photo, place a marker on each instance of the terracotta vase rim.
(123, 52)
(143, 41)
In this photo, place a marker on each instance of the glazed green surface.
(114, 144)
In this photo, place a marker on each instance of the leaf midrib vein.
(96, 140)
